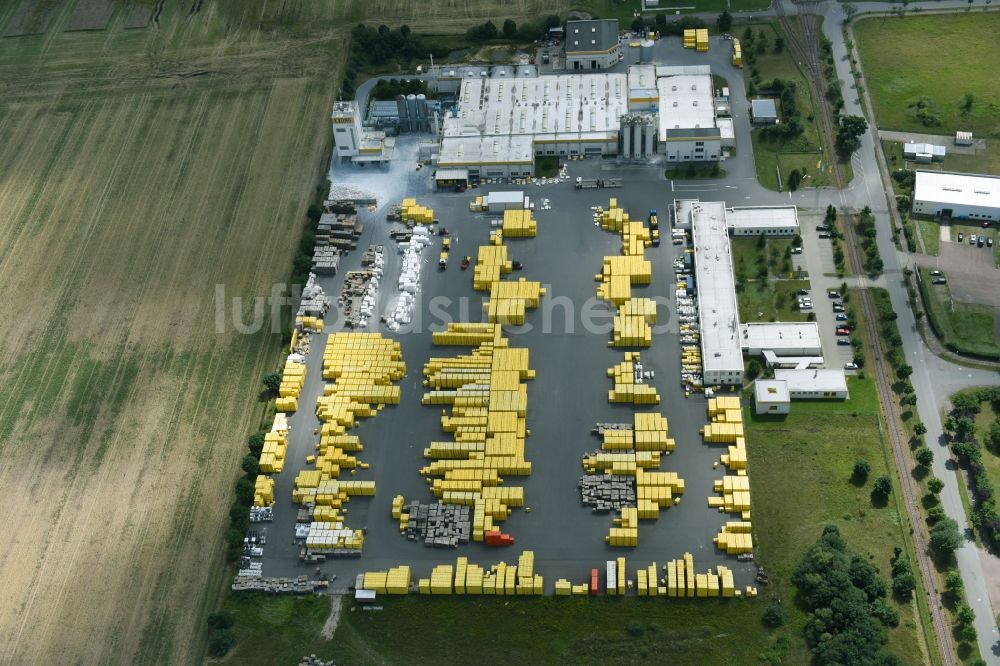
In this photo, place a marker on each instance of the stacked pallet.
(501, 579)
(647, 582)
(361, 368)
(394, 581)
(491, 264)
(735, 538)
(508, 301)
(263, 491)
(626, 529)
(620, 273)
(737, 53)
(628, 386)
(488, 398)
(701, 40)
(690, 38)
(413, 213)
(682, 580)
(519, 224)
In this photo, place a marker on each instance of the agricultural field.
(919, 70)
(142, 168)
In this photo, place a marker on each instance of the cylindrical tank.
(404, 123)
(411, 112)
(646, 51)
(650, 135)
(637, 138)
(626, 138)
(422, 123)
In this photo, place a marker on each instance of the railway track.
(806, 48)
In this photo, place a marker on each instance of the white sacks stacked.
(409, 277)
(370, 297)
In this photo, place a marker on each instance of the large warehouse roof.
(459, 151)
(717, 310)
(960, 189)
(576, 103)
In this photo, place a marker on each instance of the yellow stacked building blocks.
(491, 264)
(735, 538)
(625, 389)
(413, 213)
(737, 53)
(263, 491)
(690, 38)
(508, 301)
(519, 223)
(735, 495)
(393, 581)
(701, 40)
(487, 396)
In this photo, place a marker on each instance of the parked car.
(824, 234)
(989, 242)
(986, 225)
(972, 239)
(961, 237)
(981, 241)
(796, 250)
(843, 331)
(840, 316)
(833, 294)
(802, 292)
(844, 341)
(850, 366)
(939, 280)
(838, 308)
(822, 227)
(935, 273)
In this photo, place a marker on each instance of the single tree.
(779, 44)
(882, 487)
(935, 485)
(964, 615)
(272, 381)
(924, 456)
(945, 536)
(861, 470)
(774, 615)
(904, 371)
(509, 29)
(725, 21)
(953, 583)
(919, 428)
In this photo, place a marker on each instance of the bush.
(774, 615)
(220, 620)
(250, 466)
(255, 443)
(635, 628)
(220, 642)
(953, 583)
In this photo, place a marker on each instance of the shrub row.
(960, 427)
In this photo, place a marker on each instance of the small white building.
(957, 195)
(782, 338)
(771, 397)
(963, 138)
(814, 384)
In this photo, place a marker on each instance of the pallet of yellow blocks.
(508, 301)
(413, 213)
(361, 369)
(491, 263)
(519, 224)
(501, 579)
(737, 53)
(627, 387)
(488, 397)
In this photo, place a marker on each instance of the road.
(934, 379)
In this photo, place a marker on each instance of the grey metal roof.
(592, 35)
(763, 108)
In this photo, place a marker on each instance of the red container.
(497, 538)
(593, 582)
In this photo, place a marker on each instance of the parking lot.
(566, 399)
(970, 270)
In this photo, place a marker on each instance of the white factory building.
(352, 141)
(501, 121)
(724, 341)
(956, 195)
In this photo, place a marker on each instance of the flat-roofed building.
(767, 220)
(592, 44)
(814, 384)
(782, 338)
(957, 195)
(771, 397)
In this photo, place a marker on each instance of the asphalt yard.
(567, 337)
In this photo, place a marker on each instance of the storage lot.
(566, 399)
